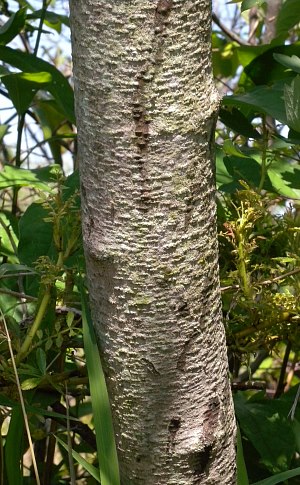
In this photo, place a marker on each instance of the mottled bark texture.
(146, 107)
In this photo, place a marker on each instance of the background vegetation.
(46, 417)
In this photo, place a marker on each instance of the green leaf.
(23, 86)
(288, 16)
(106, 447)
(13, 449)
(238, 122)
(284, 177)
(7, 268)
(19, 177)
(262, 100)
(8, 236)
(242, 476)
(30, 383)
(36, 235)
(243, 168)
(291, 62)
(247, 4)
(85, 464)
(53, 122)
(292, 103)
(41, 360)
(52, 19)
(222, 175)
(3, 131)
(59, 87)
(229, 148)
(266, 426)
(280, 477)
(13, 26)
(264, 69)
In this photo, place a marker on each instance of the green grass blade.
(280, 477)
(91, 469)
(105, 439)
(13, 449)
(242, 476)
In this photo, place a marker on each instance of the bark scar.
(182, 359)
(173, 427)
(150, 367)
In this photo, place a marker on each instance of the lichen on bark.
(146, 106)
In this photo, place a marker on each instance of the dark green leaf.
(264, 69)
(41, 360)
(238, 122)
(242, 476)
(52, 120)
(36, 235)
(23, 86)
(59, 87)
(7, 268)
(13, 26)
(13, 449)
(288, 16)
(266, 425)
(222, 175)
(243, 168)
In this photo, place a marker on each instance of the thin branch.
(228, 32)
(17, 294)
(266, 282)
(281, 277)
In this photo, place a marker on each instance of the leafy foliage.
(258, 181)
(258, 208)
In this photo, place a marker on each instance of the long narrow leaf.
(280, 477)
(13, 449)
(242, 476)
(106, 447)
(85, 464)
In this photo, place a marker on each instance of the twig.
(245, 386)
(18, 294)
(228, 32)
(265, 282)
(280, 277)
(280, 385)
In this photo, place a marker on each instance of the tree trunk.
(146, 109)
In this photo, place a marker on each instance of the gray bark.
(146, 108)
